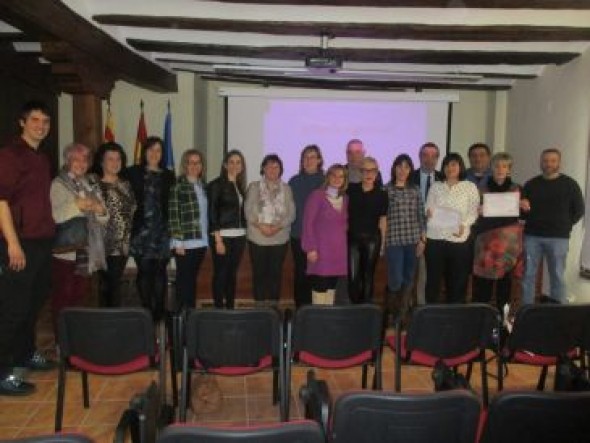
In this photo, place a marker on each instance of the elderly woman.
(325, 222)
(367, 210)
(309, 178)
(498, 245)
(150, 242)
(270, 210)
(451, 208)
(76, 204)
(188, 226)
(110, 160)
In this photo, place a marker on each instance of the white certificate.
(501, 204)
(445, 218)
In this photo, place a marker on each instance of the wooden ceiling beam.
(508, 4)
(367, 55)
(504, 33)
(26, 69)
(53, 20)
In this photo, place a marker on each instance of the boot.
(391, 303)
(330, 297)
(406, 301)
(318, 298)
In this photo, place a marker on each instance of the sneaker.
(14, 385)
(38, 362)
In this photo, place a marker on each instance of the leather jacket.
(225, 210)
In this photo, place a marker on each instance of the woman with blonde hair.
(188, 226)
(325, 223)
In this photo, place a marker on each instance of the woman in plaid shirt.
(405, 235)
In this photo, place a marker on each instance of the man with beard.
(552, 203)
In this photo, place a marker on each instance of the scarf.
(272, 206)
(93, 257)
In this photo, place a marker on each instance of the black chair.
(54, 438)
(335, 337)
(544, 333)
(538, 417)
(113, 341)
(453, 334)
(372, 417)
(233, 343)
(288, 432)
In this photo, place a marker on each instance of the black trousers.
(225, 271)
(152, 284)
(267, 270)
(482, 290)
(449, 261)
(363, 253)
(187, 269)
(22, 295)
(302, 287)
(110, 281)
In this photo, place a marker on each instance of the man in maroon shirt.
(26, 234)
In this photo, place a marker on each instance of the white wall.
(554, 110)
(125, 99)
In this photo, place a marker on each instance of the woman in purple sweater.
(325, 222)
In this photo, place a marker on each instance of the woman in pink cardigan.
(325, 222)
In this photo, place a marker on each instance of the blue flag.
(168, 152)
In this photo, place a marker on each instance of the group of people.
(338, 222)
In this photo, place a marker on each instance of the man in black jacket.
(552, 203)
(423, 178)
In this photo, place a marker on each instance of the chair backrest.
(233, 338)
(287, 432)
(447, 331)
(371, 417)
(337, 332)
(106, 337)
(549, 329)
(54, 438)
(538, 417)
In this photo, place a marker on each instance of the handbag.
(71, 235)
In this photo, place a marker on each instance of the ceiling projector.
(323, 62)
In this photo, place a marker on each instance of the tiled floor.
(235, 400)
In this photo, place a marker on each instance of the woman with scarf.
(498, 245)
(269, 210)
(76, 204)
(325, 222)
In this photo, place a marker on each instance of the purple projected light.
(386, 129)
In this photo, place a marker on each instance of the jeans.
(110, 293)
(152, 284)
(555, 252)
(401, 263)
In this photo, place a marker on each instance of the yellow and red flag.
(141, 137)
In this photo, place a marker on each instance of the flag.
(141, 137)
(168, 153)
(109, 128)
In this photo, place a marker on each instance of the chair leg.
(85, 393)
(275, 386)
(184, 389)
(542, 378)
(364, 376)
(484, 379)
(469, 370)
(398, 358)
(61, 390)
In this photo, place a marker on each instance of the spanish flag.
(141, 137)
(109, 128)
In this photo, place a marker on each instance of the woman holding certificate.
(451, 209)
(498, 245)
